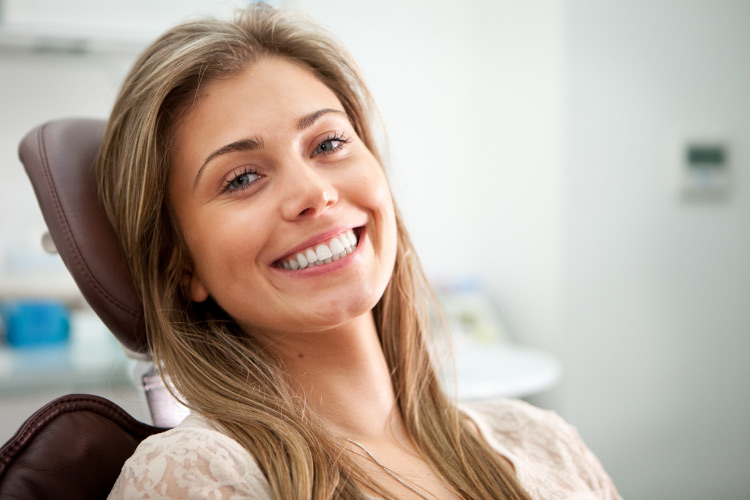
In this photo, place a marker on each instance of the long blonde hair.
(220, 372)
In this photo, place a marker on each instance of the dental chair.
(75, 446)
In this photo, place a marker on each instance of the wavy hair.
(220, 372)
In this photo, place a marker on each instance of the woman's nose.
(308, 192)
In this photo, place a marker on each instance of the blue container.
(36, 323)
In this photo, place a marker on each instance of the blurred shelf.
(488, 363)
(486, 371)
(33, 369)
(73, 368)
(58, 286)
(91, 357)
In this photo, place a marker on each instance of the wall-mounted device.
(703, 168)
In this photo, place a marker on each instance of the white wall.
(657, 335)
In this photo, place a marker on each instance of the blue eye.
(241, 181)
(330, 145)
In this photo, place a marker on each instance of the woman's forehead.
(265, 93)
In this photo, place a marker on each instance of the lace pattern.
(196, 461)
(191, 461)
(550, 459)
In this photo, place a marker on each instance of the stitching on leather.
(68, 233)
(69, 404)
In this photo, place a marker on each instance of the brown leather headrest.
(59, 158)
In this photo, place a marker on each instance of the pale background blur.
(532, 149)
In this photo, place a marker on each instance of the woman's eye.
(330, 145)
(241, 181)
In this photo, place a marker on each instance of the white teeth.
(301, 260)
(324, 253)
(311, 256)
(336, 246)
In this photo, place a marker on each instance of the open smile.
(319, 254)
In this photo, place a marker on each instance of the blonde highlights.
(223, 374)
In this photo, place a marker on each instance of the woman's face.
(269, 179)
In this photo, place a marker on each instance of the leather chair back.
(59, 158)
(74, 447)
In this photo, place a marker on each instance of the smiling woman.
(283, 160)
(282, 295)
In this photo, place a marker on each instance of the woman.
(281, 292)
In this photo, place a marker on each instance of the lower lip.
(312, 271)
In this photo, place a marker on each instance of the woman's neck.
(345, 379)
(343, 376)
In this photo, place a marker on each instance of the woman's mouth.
(329, 251)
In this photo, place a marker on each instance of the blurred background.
(583, 164)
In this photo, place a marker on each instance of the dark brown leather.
(74, 447)
(59, 158)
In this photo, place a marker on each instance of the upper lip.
(315, 240)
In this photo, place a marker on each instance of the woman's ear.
(194, 286)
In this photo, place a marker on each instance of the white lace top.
(196, 461)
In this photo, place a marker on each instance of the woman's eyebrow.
(241, 145)
(307, 120)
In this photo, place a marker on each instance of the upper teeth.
(323, 253)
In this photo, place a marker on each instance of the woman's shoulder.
(514, 416)
(193, 460)
(517, 426)
(195, 438)
(547, 452)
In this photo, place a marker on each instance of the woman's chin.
(316, 318)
